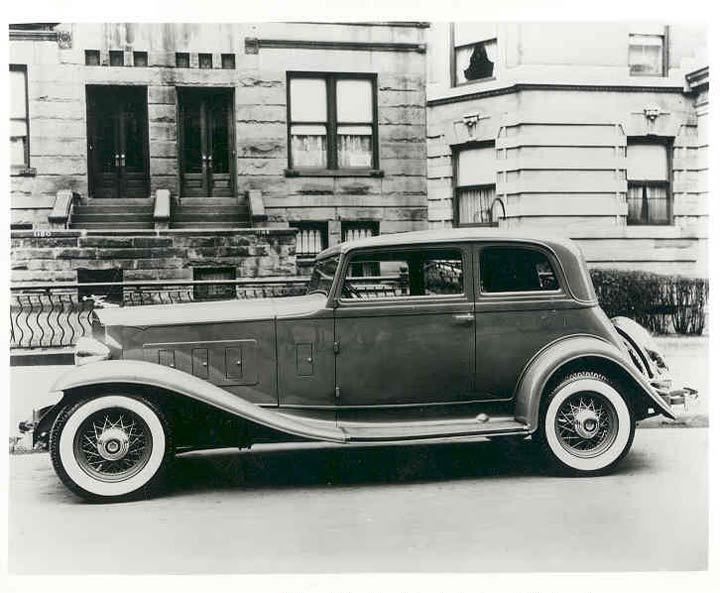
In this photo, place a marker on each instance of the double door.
(117, 141)
(206, 142)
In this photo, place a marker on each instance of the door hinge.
(337, 392)
(336, 347)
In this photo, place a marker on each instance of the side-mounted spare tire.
(112, 447)
(586, 425)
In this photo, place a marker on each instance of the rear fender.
(546, 363)
(137, 372)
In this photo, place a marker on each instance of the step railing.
(56, 315)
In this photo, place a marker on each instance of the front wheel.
(110, 448)
(587, 426)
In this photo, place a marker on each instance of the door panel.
(406, 333)
(206, 142)
(117, 141)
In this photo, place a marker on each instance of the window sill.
(23, 171)
(334, 173)
(457, 85)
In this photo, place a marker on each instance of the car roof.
(451, 235)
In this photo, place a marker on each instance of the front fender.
(140, 372)
(540, 369)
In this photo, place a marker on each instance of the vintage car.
(431, 335)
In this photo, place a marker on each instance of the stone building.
(596, 130)
(207, 151)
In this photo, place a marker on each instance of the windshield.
(322, 275)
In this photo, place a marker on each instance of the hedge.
(655, 301)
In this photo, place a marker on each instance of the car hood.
(212, 312)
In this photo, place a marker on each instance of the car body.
(447, 334)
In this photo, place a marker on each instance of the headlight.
(90, 350)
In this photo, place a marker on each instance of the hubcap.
(586, 424)
(113, 445)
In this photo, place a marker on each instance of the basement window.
(205, 61)
(140, 59)
(117, 58)
(110, 294)
(182, 60)
(214, 292)
(92, 57)
(312, 237)
(228, 61)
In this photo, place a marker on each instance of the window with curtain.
(475, 186)
(646, 55)
(648, 195)
(474, 51)
(332, 122)
(19, 145)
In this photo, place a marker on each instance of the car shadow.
(343, 466)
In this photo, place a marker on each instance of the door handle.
(122, 160)
(464, 318)
(117, 161)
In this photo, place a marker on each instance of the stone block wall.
(55, 256)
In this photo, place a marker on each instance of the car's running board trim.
(412, 431)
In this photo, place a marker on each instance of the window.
(515, 269)
(140, 59)
(333, 123)
(354, 230)
(19, 135)
(228, 61)
(648, 195)
(646, 55)
(405, 273)
(475, 186)
(111, 294)
(205, 61)
(323, 275)
(474, 48)
(182, 60)
(117, 58)
(211, 292)
(312, 237)
(92, 57)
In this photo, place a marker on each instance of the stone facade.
(56, 256)
(560, 109)
(58, 78)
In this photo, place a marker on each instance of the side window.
(515, 269)
(404, 273)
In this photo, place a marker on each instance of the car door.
(522, 304)
(404, 328)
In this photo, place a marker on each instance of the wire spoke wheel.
(586, 424)
(113, 445)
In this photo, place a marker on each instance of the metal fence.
(56, 315)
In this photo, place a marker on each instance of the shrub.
(655, 301)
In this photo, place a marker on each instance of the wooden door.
(117, 142)
(206, 143)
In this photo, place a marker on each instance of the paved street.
(455, 507)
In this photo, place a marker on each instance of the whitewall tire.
(587, 426)
(111, 447)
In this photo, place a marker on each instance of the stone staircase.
(209, 213)
(113, 214)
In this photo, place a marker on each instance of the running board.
(412, 431)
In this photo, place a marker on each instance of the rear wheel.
(587, 426)
(111, 448)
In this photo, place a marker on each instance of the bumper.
(685, 397)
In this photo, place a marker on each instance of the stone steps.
(208, 213)
(113, 214)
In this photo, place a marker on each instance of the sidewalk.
(687, 357)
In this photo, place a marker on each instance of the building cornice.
(253, 45)
(544, 86)
(698, 79)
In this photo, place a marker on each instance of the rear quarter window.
(516, 269)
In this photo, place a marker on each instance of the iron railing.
(56, 315)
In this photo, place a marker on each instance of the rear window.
(515, 269)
